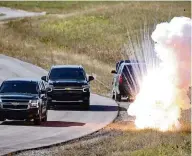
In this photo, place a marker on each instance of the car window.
(19, 87)
(67, 73)
(120, 69)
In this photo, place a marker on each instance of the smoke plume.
(173, 40)
(163, 92)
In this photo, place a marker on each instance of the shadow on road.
(103, 108)
(43, 124)
(91, 109)
(122, 109)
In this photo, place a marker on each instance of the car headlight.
(50, 88)
(33, 103)
(85, 88)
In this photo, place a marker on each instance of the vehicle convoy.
(23, 99)
(68, 84)
(126, 79)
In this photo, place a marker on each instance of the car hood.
(63, 83)
(17, 96)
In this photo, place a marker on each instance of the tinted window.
(19, 87)
(133, 73)
(136, 69)
(67, 73)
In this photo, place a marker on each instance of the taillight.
(120, 79)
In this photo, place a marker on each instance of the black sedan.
(23, 99)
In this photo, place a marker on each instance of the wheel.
(118, 97)
(38, 120)
(2, 118)
(86, 105)
(49, 105)
(113, 96)
(45, 118)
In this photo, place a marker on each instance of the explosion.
(163, 91)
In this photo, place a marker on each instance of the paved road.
(13, 13)
(62, 125)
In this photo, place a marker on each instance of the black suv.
(23, 99)
(68, 84)
(126, 79)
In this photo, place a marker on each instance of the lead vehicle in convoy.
(68, 84)
(126, 79)
(23, 99)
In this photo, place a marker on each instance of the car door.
(116, 79)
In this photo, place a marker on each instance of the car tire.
(38, 120)
(2, 118)
(48, 108)
(118, 97)
(45, 118)
(49, 105)
(86, 105)
(113, 96)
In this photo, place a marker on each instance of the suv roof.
(127, 62)
(67, 66)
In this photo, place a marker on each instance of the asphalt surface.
(62, 125)
(13, 13)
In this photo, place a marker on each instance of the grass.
(129, 143)
(96, 40)
(52, 7)
(2, 14)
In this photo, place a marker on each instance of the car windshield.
(67, 73)
(134, 72)
(19, 87)
(134, 68)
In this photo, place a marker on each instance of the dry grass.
(127, 142)
(94, 39)
(52, 7)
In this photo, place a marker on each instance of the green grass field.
(94, 34)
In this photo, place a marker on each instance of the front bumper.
(73, 97)
(19, 114)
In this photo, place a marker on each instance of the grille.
(15, 106)
(15, 100)
(67, 88)
(59, 92)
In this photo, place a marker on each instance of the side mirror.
(44, 78)
(90, 78)
(113, 72)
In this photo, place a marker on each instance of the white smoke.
(173, 39)
(163, 91)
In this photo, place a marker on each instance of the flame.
(155, 105)
(161, 96)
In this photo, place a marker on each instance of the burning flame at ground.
(163, 91)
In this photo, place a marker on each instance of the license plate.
(15, 103)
